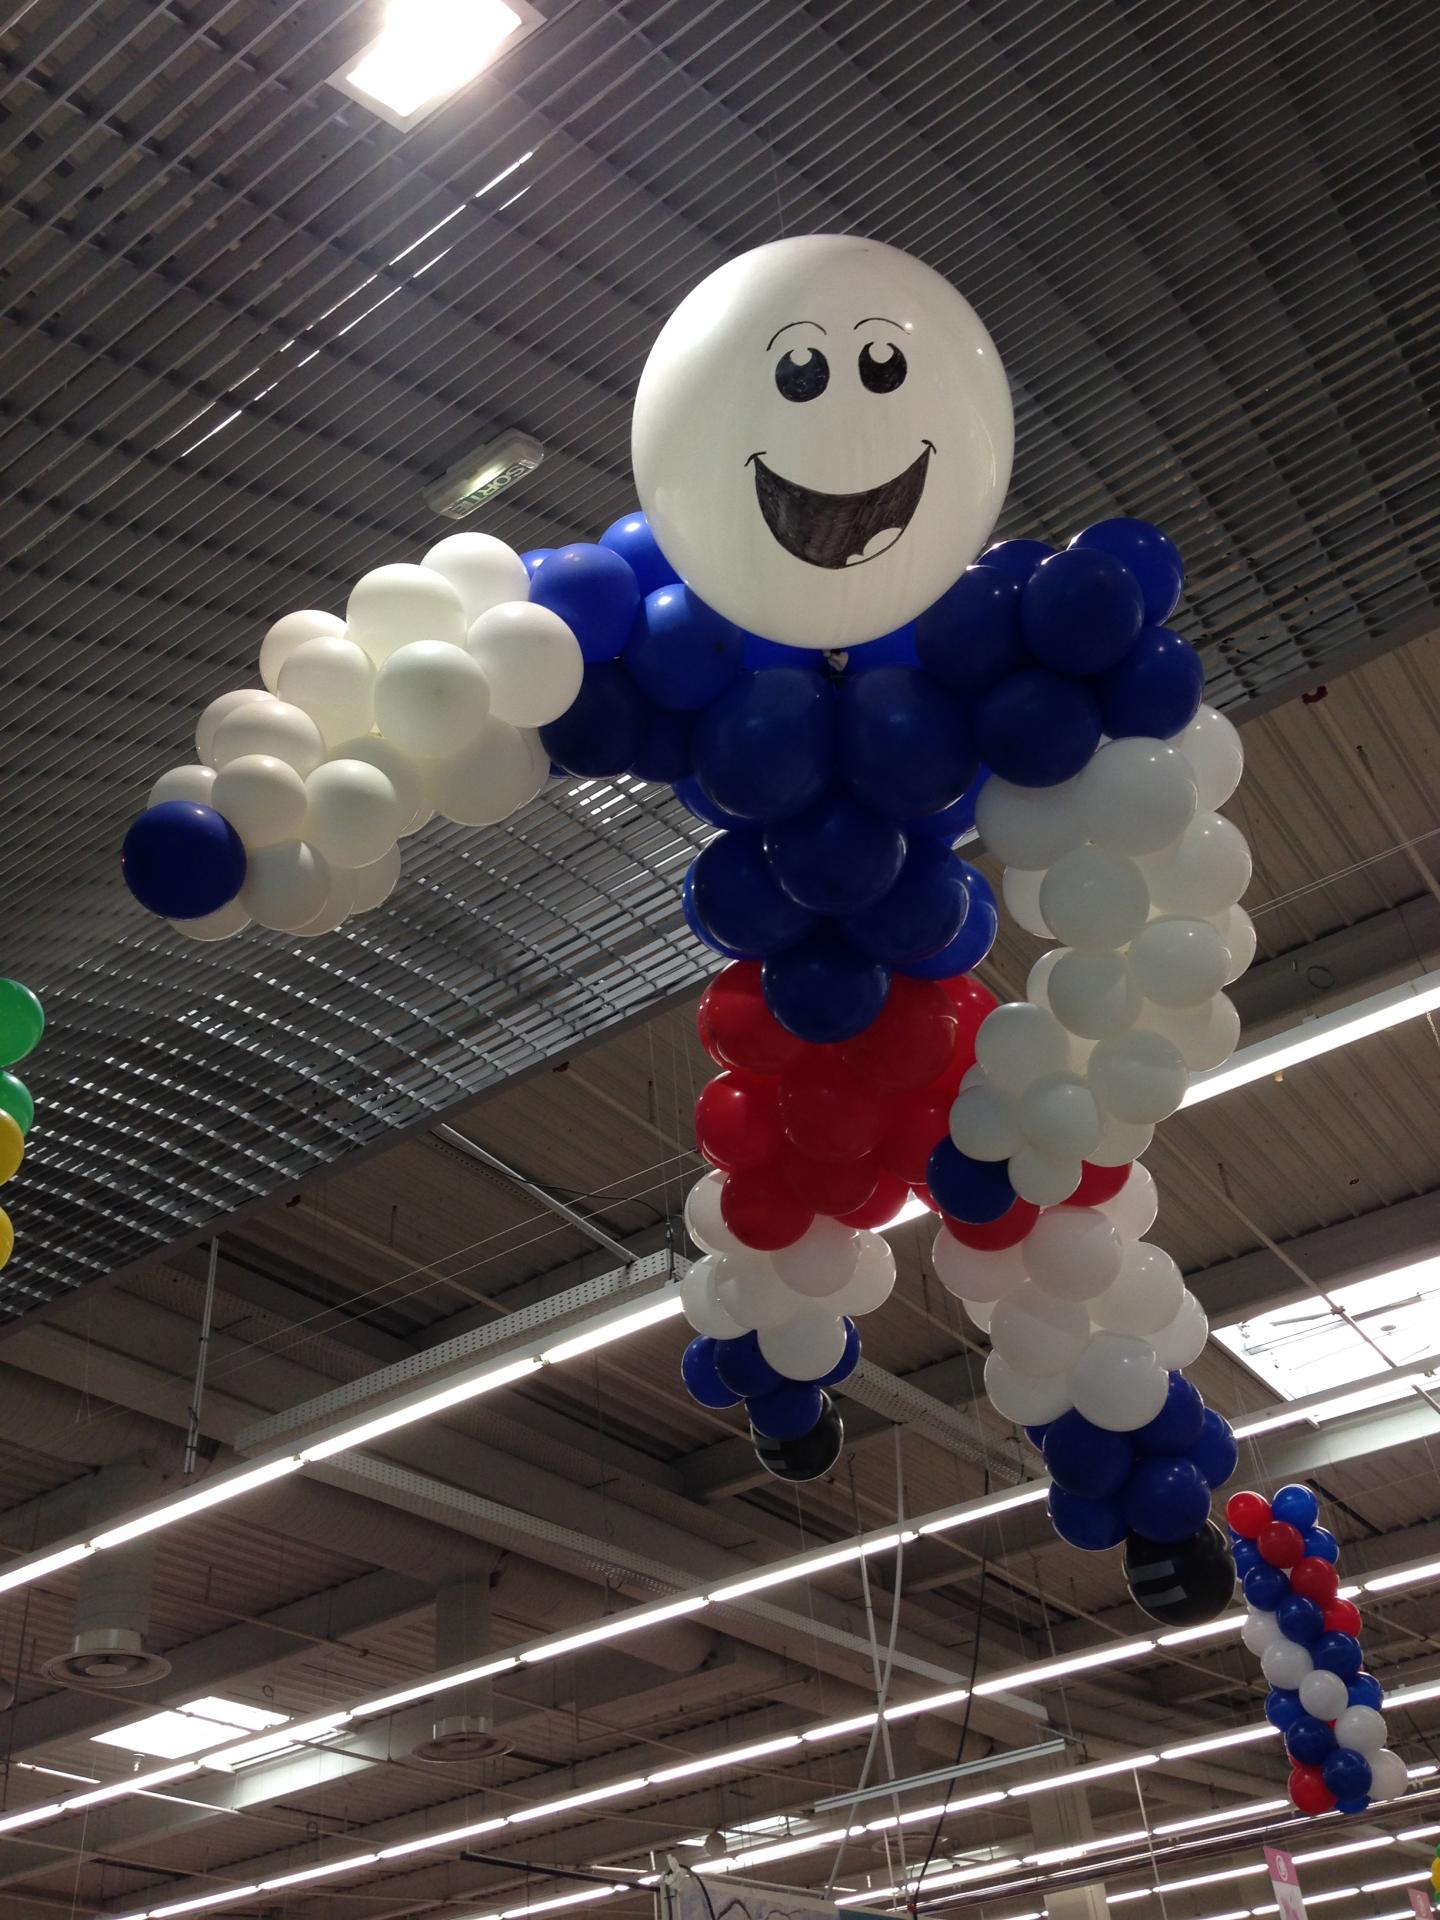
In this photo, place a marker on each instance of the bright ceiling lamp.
(178, 1731)
(429, 49)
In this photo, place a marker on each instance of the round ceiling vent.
(107, 1657)
(461, 1737)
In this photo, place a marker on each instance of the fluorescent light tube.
(28, 1816)
(1183, 1636)
(715, 1762)
(427, 1689)
(25, 1571)
(591, 1797)
(1044, 1670)
(204, 1900)
(1217, 1741)
(317, 1873)
(426, 1842)
(1395, 1879)
(228, 1486)
(1245, 1812)
(612, 1629)
(406, 1414)
(600, 1333)
(136, 1783)
(1079, 1775)
(1405, 1578)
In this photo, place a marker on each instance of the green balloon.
(22, 1021)
(15, 1100)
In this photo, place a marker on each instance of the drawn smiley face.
(822, 439)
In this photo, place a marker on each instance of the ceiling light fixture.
(429, 49)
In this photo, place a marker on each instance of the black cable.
(911, 1903)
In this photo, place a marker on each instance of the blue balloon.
(691, 794)
(744, 1369)
(786, 1412)
(1244, 1552)
(664, 751)
(771, 653)
(1150, 555)
(680, 653)
(970, 639)
(1366, 1691)
(1300, 1620)
(1017, 557)
(765, 748)
(1036, 1435)
(603, 728)
(1321, 1544)
(1338, 1653)
(1357, 1805)
(1037, 728)
(1083, 1458)
(1081, 611)
(977, 886)
(697, 925)
(594, 593)
(182, 860)
(1265, 1587)
(1155, 690)
(824, 991)
(1296, 1505)
(1166, 1498)
(836, 857)
(702, 1382)
(631, 538)
(1282, 1707)
(904, 742)
(738, 900)
(1091, 1525)
(921, 914)
(953, 822)
(965, 951)
(1308, 1740)
(1215, 1452)
(1177, 1426)
(890, 650)
(848, 1361)
(535, 558)
(975, 1191)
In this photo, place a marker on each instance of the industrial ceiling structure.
(247, 324)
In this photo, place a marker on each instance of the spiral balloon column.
(1308, 1639)
(22, 1021)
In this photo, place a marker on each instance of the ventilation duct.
(112, 1597)
(462, 1633)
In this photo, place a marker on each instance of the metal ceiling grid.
(245, 323)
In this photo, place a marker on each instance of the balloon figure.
(22, 1021)
(1308, 1640)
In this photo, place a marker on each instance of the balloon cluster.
(22, 1021)
(1321, 1698)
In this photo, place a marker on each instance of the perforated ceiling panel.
(246, 323)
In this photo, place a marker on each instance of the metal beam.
(1377, 952)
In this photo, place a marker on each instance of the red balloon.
(1281, 1544)
(1343, 1616)
(946, 1083)
(881, 1208)
(915, 1130)
(1309, 1791)
(1247, 1513)
(923, 1194)
(830, 1186)
(1097, 1185)
(737, 1122)
(995, 1235)
(825, 1111)
(1314, 1580)
(910, 1043)
(737, 1029)
(761, 1211)
(972, 999)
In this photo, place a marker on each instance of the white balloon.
(1018, 1043)
(1094, 899)
(805, 1347)
(873, 1280)
(704, 1221)
(193, 783)
(1135, 1206)
(1020, 891)
(1042, 1179)
(1027, 1399)
(971, 1273)
(1059, 1116)
(1179, 963)
(431, 699)
(1389, 1777)
(1206, 870)
(223, 924)
(1028, 827)
(263, 799)
(1136, 796)
(268, 726)
(374, 884)
(1262, 1630)
(1037, 981)
(1286, 1663)
(531, 659)
(1120, 1143)
(332, 680)
(1212, 746)
(979, 1311)
(1237, 930)
(1362, 1728)
(1322, 1693)
(750, 1291)
(354, 812)
(481, 569)
(393, 607)
(1204, 1036)
(286, 886)
(1037, 1333)
(783, 433)
(335, 910)
(821, 1262)
(494, 776)
(699, 1304)
(220, 709)
(1093, 995)
(1138, 1077)
(1118, 1383)
(399, 769)
(1146, 1296)
(984, 1123)
(292, 630)
(1182, 1341)
(1074, 1253)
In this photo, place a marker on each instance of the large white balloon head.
(822, 439)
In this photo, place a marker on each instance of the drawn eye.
(802, 374)
(882, 371)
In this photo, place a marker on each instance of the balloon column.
(1321, 1698)
(22, 1021)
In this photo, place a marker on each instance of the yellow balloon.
(12, 1147)
(7, 1237)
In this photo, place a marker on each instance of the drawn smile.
(839, 529)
